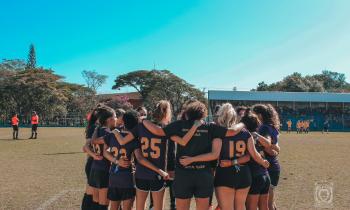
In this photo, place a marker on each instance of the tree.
(140, 80)
(117, 102)
(326, 81)
(262, 86)
(156, 85)
(31, 62)
(93, 79)
(23, 90)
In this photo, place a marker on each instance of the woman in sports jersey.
(259, 189)
(87, 148)
(232, 178)
(154, 149)
(196, 179)
(270, 130)
(99, 173)
(121, 187)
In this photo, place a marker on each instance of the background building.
(314, 106)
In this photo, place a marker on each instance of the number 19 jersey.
(235, 147)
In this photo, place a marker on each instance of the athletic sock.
(103, 207)
(87, 202)
(94, 206)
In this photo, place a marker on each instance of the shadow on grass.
(63, 153)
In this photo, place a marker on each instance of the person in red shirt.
(14, 123)
(34, 122)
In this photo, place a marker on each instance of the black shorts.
(98, 179)
(88, 167)
(274, 177)
(150, 185)
(230, 177)
(260, 185)
(34, 127)
(121, 194)
(189, 183)
(15, 127)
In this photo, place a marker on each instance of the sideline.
(54, 198)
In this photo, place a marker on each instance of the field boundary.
(54, 198)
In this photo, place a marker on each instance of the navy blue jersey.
(269, 131)
(103, 164)
(235, 147)
(121, 177)
(90, 131)
(89, 134)
(171, 156)
(153, 148)
(200, 143)
(255, 168)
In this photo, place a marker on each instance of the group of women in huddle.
(131, 157)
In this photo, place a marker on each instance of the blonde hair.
(227, 115)
(162, 111)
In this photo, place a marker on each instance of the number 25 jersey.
(153, 148)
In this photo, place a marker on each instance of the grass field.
(47, 173)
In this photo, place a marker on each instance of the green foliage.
(327, 81)
(31, 62)
(24, 90)
(157, 85)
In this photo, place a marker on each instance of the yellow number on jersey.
(121, 152)
(146, 143)
(239, 148)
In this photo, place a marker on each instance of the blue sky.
(211, 44)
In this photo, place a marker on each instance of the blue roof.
(278, 96)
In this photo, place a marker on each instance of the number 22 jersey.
(120, 177)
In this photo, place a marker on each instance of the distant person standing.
(325, 126)
(15, 123)
(307, 126)
(34, 122)
(298, 126)
(289, 124)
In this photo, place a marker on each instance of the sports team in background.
(133, 157)
(303, 126)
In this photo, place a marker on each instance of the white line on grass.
(54, 198)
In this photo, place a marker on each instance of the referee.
(34, 122)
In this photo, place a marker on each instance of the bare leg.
(225, 197)
(240, 198)
(158, 199)
(202, 203)
(264, 202)
(252, 202)
(115, 205)
(127, 204)
(95, 194)
(102, 197)
(183, 204)
(141, 198)
(272, 204)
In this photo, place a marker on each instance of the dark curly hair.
(94, 115)
(250, 120)
(130, 119)
(105, 112)
(269, 115)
